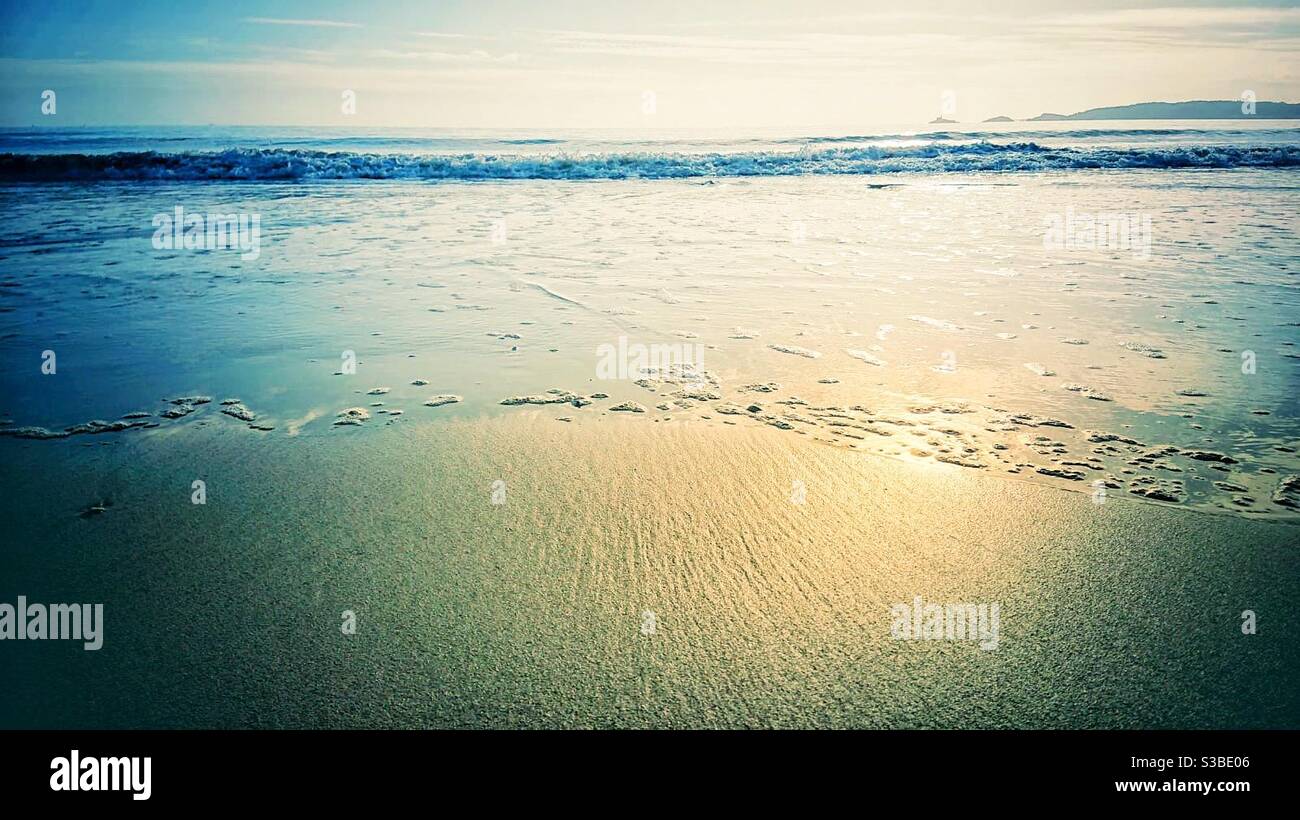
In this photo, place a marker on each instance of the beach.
(531, 612)
(664, 439)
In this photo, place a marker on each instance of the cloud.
(276, 21)
(475, 56)
(892, 41)
(1186, 18)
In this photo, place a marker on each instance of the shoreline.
(573, 407)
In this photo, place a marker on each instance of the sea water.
(1111, 308)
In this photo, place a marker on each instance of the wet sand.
(532, 612)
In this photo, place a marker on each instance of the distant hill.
(1190, 110)
(999, 119)
(942, 121)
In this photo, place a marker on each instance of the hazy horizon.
(581, 65)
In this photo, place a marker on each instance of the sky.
(667, 64)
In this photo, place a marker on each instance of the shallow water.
(934, 292)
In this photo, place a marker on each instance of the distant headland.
(1189, 110)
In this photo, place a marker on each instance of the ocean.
(500, 395)
(334, 153)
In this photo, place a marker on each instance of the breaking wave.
(302, 165)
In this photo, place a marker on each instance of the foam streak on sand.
(795, 350)
(864, 356)
(940, 324)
